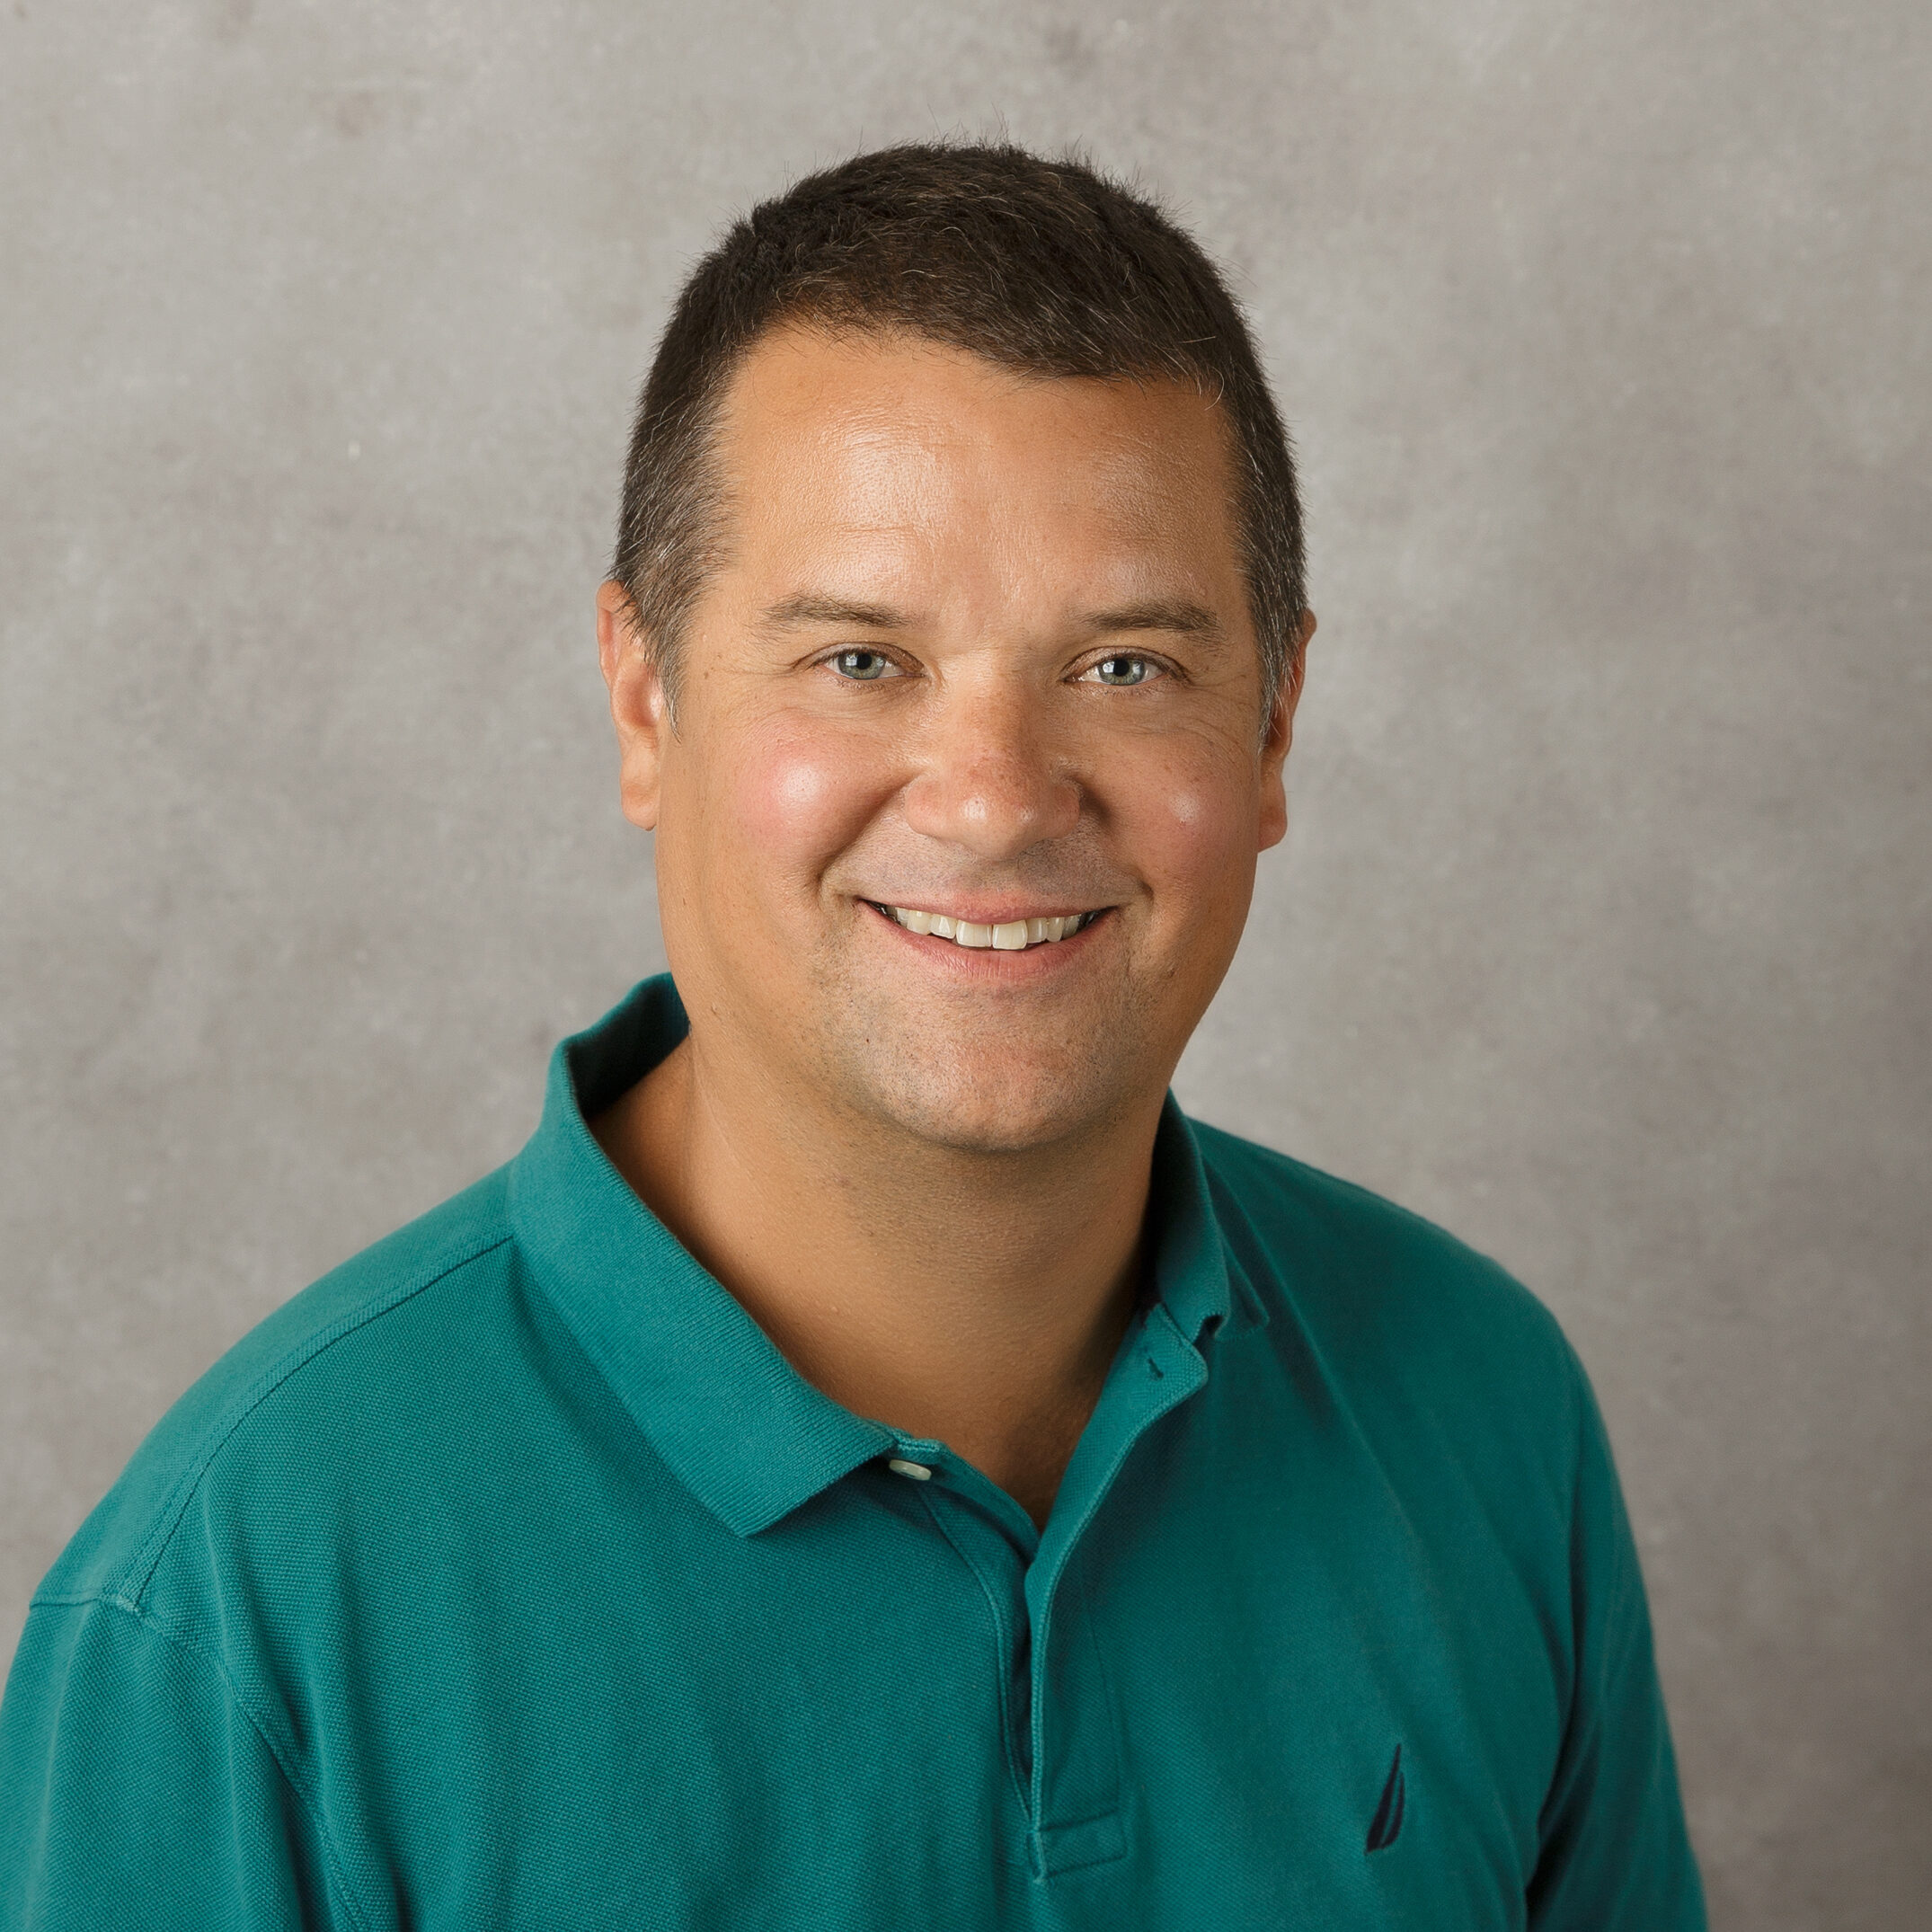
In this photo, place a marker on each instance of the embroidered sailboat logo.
(1387, 1819)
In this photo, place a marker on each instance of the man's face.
(978, 657)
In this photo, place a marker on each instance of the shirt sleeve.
(134, 1792)
(1615, 1855)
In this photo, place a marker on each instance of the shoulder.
(352, 1338)
(1395, 1306)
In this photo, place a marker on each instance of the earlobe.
(638, 709)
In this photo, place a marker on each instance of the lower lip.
(988, 964)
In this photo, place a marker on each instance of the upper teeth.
(1014, 936)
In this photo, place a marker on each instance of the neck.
(970, 1298)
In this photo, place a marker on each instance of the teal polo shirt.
(510, 1577)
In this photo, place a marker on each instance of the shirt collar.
(738, 1425)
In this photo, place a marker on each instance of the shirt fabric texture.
(510, 1577)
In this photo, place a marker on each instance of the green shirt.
(510, 1577)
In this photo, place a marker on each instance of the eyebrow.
(1157, 614)
(1150, 614)
(794, 612)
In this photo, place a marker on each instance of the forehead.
(894, 446)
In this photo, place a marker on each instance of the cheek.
(1193, 828)
(794, 800)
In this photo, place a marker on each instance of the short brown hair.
(1043, 266)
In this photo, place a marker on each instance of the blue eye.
(864, 666)
(1122, 670)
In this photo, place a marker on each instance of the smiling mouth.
(1014, 935)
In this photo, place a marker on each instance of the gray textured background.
(1601, 934)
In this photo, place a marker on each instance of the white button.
(917, 1470)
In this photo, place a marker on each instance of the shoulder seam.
(164, 1632)
(132, 1583)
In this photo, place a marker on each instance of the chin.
(991, 1105)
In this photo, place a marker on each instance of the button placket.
(1071, 1810)
(1156, 1370)
(970, 1524)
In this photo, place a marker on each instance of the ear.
(638, 705)
(1280, 734)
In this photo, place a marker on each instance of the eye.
(1124, 667)
(864, 666)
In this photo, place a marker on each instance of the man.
(869, 1461)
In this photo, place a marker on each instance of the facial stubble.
(996, 1072)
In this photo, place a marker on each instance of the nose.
(989, 780)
